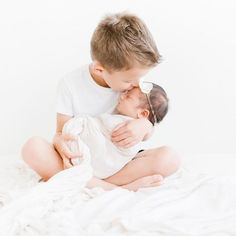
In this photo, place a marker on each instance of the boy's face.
(129, 103)
(124, 80)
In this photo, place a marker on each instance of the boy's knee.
(169, 160)
(30, 147)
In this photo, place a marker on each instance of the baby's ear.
(143, 113)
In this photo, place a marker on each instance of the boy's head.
(136, 104)
(122, 43)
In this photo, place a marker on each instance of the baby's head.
(136, 104)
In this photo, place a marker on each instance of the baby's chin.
(117, 110)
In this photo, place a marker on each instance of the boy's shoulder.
(77, 74)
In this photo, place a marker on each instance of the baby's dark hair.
(159, 102)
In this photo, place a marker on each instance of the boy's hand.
(67, 163)
(60, 144)
(131, 132)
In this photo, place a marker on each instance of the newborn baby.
(94, 132)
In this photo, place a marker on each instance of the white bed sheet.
(198, 200)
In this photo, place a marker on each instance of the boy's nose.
(130, 87)
(122, 96)
(135, 84)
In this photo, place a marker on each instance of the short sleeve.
(64, 99)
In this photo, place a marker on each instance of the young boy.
(95, 132)
(122, 51)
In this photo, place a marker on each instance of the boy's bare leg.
(41, 156)
(162, 161)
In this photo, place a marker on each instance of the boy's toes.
(153, 180)
(157, 178)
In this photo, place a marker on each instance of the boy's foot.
(144, 182)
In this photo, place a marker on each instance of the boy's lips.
(130, 88)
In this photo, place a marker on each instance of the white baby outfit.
(94, 137)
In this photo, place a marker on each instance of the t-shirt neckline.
(95, 85)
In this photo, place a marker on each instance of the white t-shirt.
(78, 93)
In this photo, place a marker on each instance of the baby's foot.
(145, 182)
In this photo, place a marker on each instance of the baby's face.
(129, 102)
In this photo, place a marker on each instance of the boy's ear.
(97, 67)
(143, 113)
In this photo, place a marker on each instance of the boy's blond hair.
(122, 41)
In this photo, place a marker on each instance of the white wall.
(40, 41)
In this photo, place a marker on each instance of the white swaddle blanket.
(95, 135)
(187, 204)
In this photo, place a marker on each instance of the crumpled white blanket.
(95, 134)
(186, 204)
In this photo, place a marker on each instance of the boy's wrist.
(55, 137)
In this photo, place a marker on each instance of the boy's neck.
(97, 79)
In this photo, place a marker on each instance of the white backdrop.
(40, 41)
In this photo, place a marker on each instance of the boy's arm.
(61, 120)
(132, 132)
(59, 140)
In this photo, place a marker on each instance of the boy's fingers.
(130, 144)
(120, 137)
(76, 155)
(67, 163)
(125, 142)
(67, 153)
(119, 129)
(69, 137)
